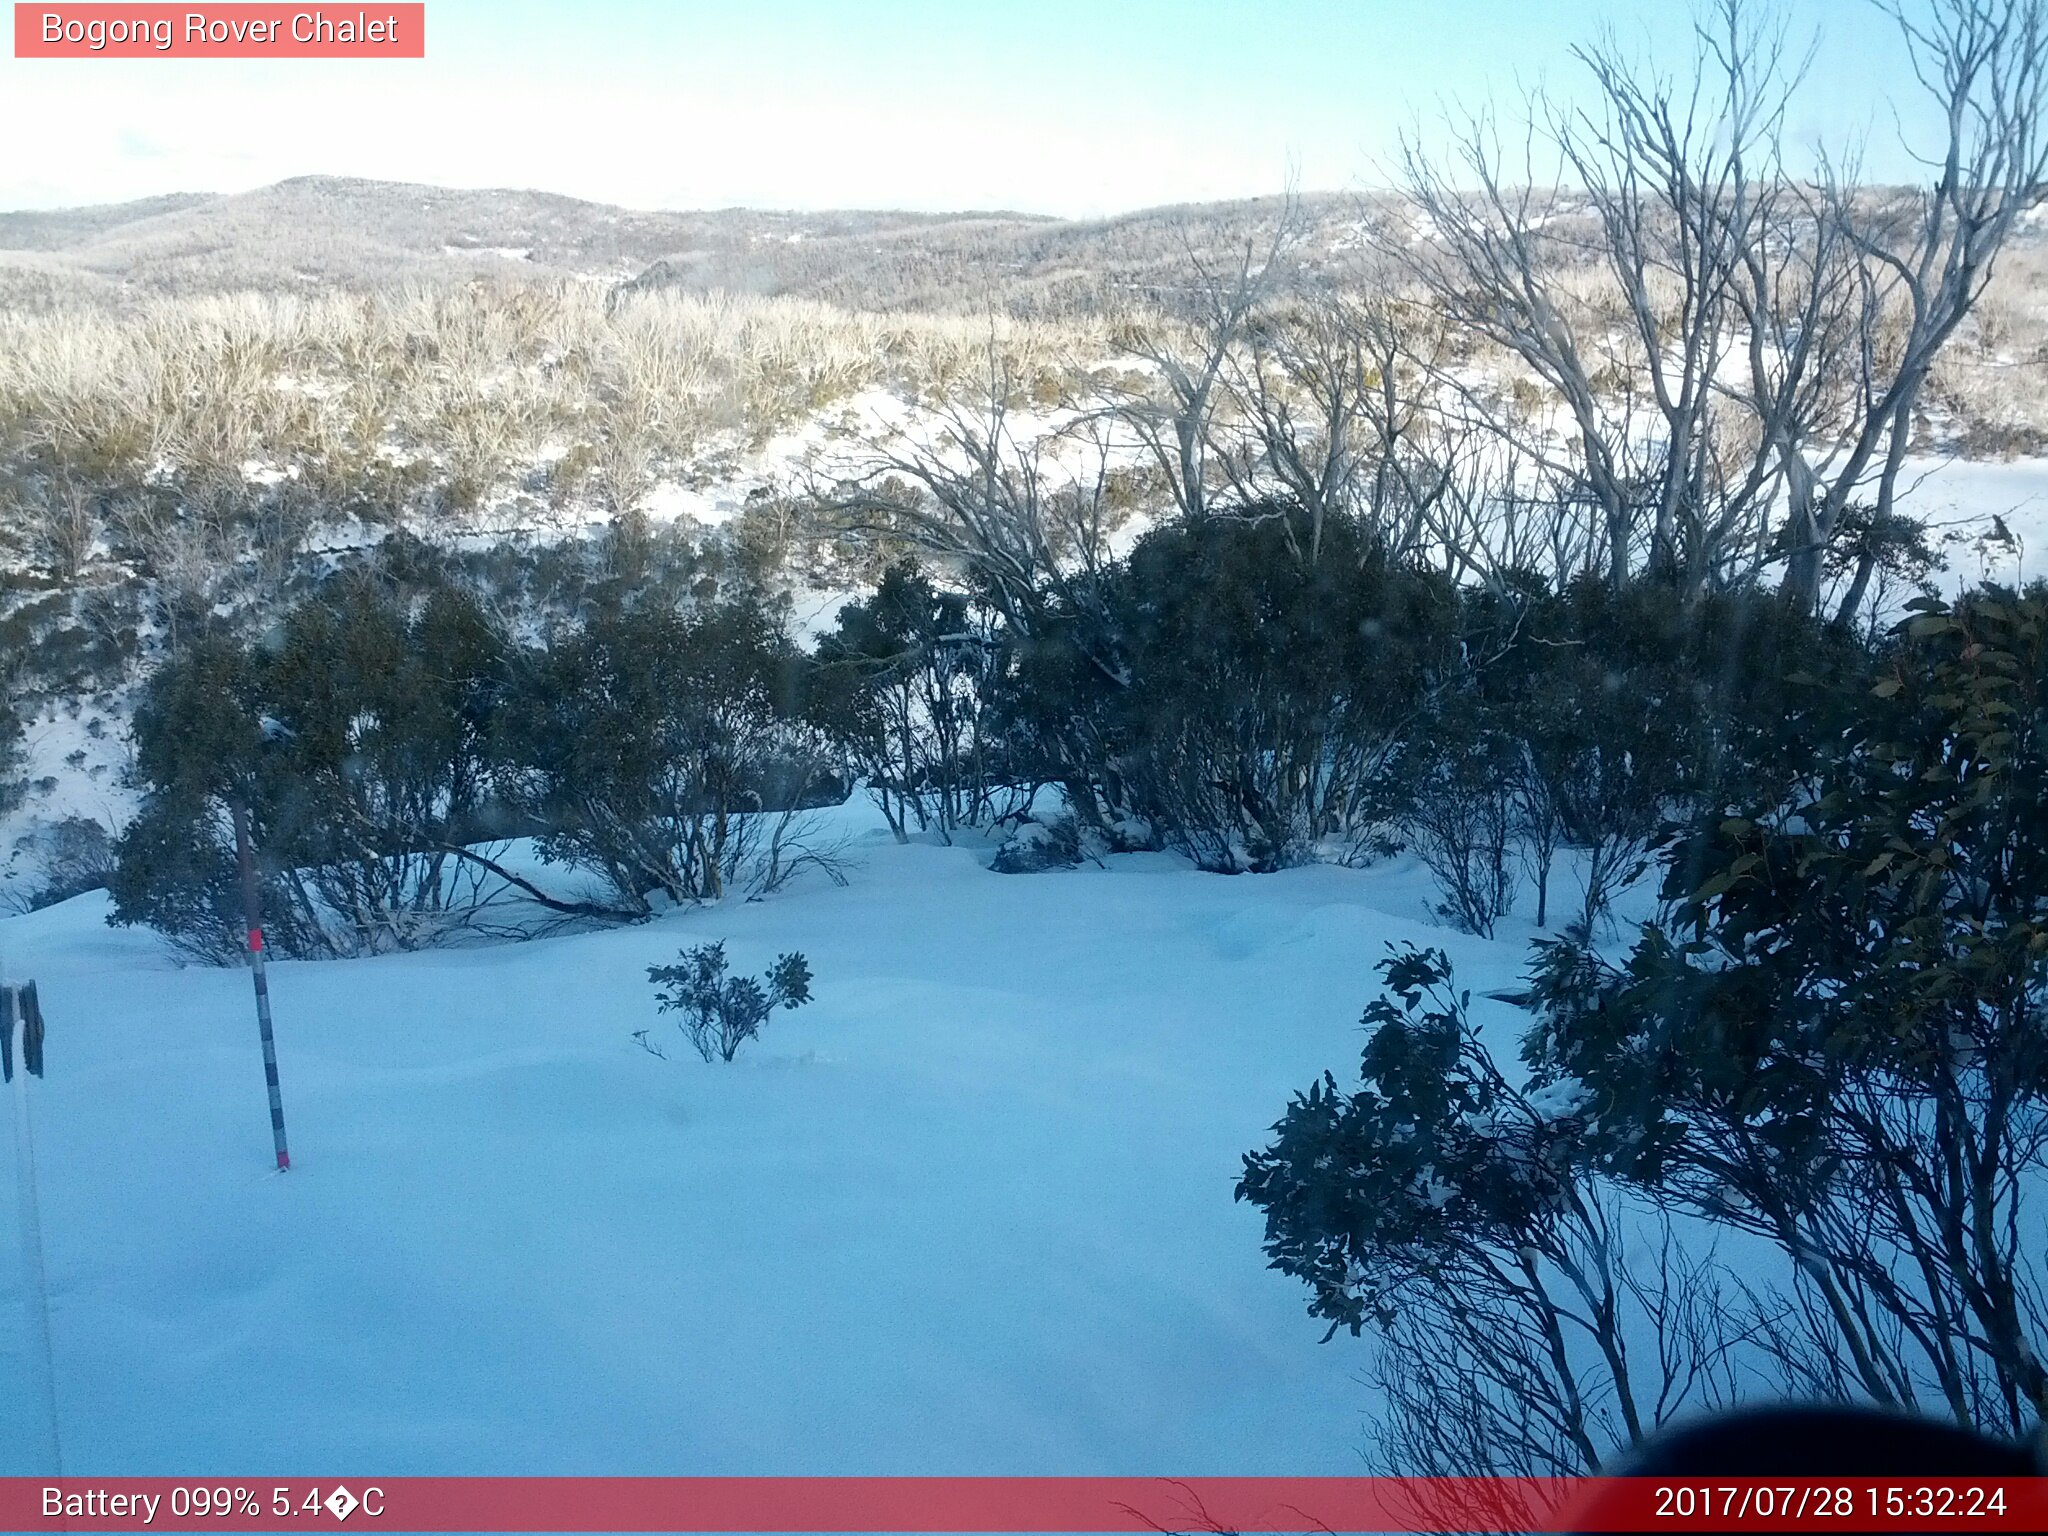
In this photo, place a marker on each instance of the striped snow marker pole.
(245, 856)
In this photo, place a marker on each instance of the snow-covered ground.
(969, 1212)
(1960, 498)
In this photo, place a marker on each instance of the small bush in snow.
(76, 855)
(720, 1012)
(1037, 846)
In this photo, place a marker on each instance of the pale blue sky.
(1059, 106)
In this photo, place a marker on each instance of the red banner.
(1049, 1504)
(376, 31)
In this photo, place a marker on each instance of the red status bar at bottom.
(1064, 1504)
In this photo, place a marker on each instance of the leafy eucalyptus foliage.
(1838, 1039)
(1531, 1320)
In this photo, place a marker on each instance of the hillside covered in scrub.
(325, 231)
(208, 403)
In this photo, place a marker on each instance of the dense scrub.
(644, 716)
(395, 727)
(1830, 1043)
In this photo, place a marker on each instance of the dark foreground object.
(1827, 1442)
(1823, 1442)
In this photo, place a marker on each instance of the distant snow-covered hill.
(315, 231)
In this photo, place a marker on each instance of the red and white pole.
(245, 856)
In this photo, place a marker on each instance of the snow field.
(969, 1212)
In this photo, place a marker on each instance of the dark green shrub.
(720, 1013)
(1837, 1040)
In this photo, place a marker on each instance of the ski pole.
(18, 1008)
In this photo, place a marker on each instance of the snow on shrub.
(1037, 846)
